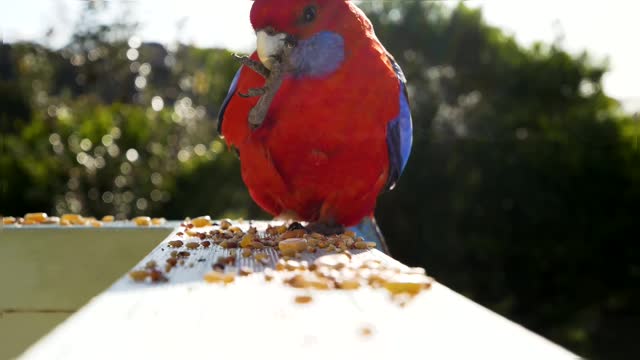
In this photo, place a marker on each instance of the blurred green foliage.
(522, 191)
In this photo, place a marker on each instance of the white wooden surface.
(188, 318)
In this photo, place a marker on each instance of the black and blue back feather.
(399, 132)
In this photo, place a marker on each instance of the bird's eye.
(309, 14)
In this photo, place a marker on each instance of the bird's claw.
(254, 92)
(253, 65)
(274, 78)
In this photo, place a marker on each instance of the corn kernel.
(96, 223)
(262, 258)
(9, 220)
(142, 220)
(219, 277)
(158, 221)
(73, 219)
(293, 244)
(245, 271)
(407, 283)
(303, 299)
(192, 245)
(225, 224)
(349, 284)
(320, 284)
(268, 274)
(65, 223)
(350, 234)
(361, 245)
(138, 275)
(52, 220)
(108, 218)
(337, 261)
(298, 281)
(202, 221)
(246, 252)
(36, 217)
(292, 234)
(257, 245)
(247, 240)
(370, 244)
(292, 265)
(235, 230)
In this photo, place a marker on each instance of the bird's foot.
(274, 78)
(253, 65)
(325, 228)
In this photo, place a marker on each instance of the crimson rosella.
(338, 130)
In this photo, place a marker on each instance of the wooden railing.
(48, 273)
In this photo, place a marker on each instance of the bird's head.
(280, 23)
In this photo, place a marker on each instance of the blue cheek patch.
(318, 56)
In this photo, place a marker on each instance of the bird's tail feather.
(369, 230)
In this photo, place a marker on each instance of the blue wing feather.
(399, 132)
(232, 90)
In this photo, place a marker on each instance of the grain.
(108, 218)
(35, 217)
(202, 221)
(293, 245)
(51, 220)
(225, 224)
(407, 283)
(303, 299)
(219, 277)
(142, 220)
(176, 243)
(158, 221)
(192, 245)
(245, 271)
(138, 275)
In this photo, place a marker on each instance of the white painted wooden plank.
(188, 318)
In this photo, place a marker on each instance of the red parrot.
(338, 131)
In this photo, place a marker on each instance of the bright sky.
(605, 28)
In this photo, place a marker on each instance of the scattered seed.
(142, 220)
(303, 299)
(172, 261)
(219, 277)
(293, 244)
(366, 331)
(35, 217)
(138, 275)
(225, 224)
(192, 245)
(202, 221)
(176, 243)
(245, 271)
